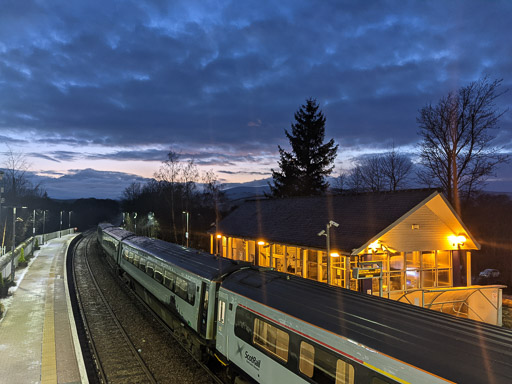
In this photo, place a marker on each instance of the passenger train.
(271, 327)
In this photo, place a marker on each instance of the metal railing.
(6, 262)
(483, 303)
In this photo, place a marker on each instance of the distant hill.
(244, 192)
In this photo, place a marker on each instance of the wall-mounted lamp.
(261, 242)
(458, 240)
(335, 254)
(374, 246)
(219, 236)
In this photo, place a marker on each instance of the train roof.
(199, 263)
(116, 232)
(456, 349)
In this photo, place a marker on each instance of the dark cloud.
(86, 183)
(223, 80)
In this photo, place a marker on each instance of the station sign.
(367, 270)
(366, 273)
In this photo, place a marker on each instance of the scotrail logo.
(250, 359)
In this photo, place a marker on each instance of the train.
(266, 326)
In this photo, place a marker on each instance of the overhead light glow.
(219, 236)
(374, 246)
(457, 240)
(335, 254)
(261, 242)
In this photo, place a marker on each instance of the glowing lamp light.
(261, 242)
(457, 240)
(219, 236)
(374, 246)
(335, 254)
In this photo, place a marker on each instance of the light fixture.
(458, 240)
(374, 246)
(335, 254)
(261, 242)
(219, 236)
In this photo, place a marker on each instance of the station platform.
(38, 339)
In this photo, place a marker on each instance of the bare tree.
(170, 172)
(212, 193)
(396, 169)
(16, 167)
(456, 147)
(385, 172)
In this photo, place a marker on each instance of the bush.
(22, 261)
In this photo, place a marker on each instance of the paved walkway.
(36, 337)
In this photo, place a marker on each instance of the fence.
(6, 260)
(483, 303)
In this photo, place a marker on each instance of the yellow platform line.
(49, 361)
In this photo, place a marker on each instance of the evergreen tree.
(303, 170)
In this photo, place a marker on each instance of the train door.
(203, 309)
(222, 331)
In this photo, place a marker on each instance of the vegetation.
(304, 169)
(160, 207)
(22, 261)
(387, 172)
(456, 149)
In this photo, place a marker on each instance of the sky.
(96, 93)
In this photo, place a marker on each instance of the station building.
(413, 239)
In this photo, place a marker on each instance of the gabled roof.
(297, 221)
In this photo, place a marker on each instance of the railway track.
(117, 358)
(128, 342)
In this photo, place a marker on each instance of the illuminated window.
(307, 359)
(344, 372)
(444, 259)
(271, 339)
(222, 311)
(444, 278)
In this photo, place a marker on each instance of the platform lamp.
(44, 222)
(326, 234)
(186, 233)
(69, 219)
(60, 226)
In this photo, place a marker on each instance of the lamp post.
(13, 253)
(135, 221)
(326, 234)
(186, 233)
(44, 222)
(33, 230)
(69, 219)
(60, 226)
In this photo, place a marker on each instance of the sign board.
(367, 270)
(366, 273)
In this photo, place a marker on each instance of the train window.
(271, 339)
(307, 359)
(181, 288)
(142, 264)
(222, 311)
(170, 280)
(150, 270)
(191, 293)
(159, 275)
(344, 373)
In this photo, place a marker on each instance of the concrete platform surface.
(38, 342)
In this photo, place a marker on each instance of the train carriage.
(280, 328)
(110, 238)
(182, 280)
(271, 327)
